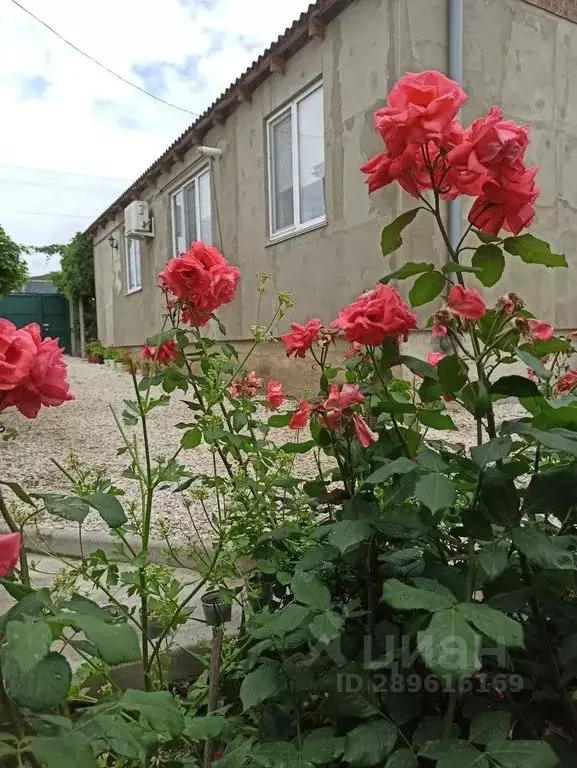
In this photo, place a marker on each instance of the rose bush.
(412, 603)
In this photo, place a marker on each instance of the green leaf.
(66, 507)
(476, 398)
(370, 743)
(321, 746)
(489, 263)
(452, 373)
(69, 751)
(435, 419)
(326, 626)
(404, 562)
(403, 597)
(494, 624)
(522, 754)
(449, 646)
(489, 726)
(515, 386)
(28, 642)
(115, 643)
(260, 684)
(191, 438)
(400, 466)
(550, 347)
(435, 492)
(553, 492)
(534, 251)
(346, 534)
(426, 288)
(286, 620)
(494, 450)
(451, 268)
(202, 728)
(540, 550)
(500, 497)
(428, 459)
(485, 238)
(19, 492)
(310, 590)
(108, 507)
(127, 739)
(279, 420)
(409, 269)
(304, 447)
(420, 367)
(161, 338)
(555, 440)
(44, 687)
(454, 753)
(403, 758)
(157, 710)
(391, 235)
(493, 559)
(533, 362)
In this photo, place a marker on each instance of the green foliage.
(76, 277)
(13, 266)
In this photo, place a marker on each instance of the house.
(283, 194)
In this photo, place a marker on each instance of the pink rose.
(300, 418)
(147, 352)
(224, 282)
(466, 302)
(45, 384)
(301, 338)
(375, 316)
(354, 350)
(506, 204)
(420, 107)
(567, 382)
(10, 545)
(339, 401)
(435, 357)
(274, 394)
(17, 352)
(539, 329)
(363, 432)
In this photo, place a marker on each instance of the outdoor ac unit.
(137, 220)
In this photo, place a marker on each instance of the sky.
(72, 136)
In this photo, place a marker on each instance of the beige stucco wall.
(514, 54)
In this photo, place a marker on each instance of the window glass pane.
(205, 211)
(129, 265)
(136, 253)
(190, 215)
(178, 223)
(282, 174)
(311, 157)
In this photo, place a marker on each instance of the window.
(133, 278)
(191, 213)
(296, 165)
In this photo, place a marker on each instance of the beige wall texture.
(515, 54)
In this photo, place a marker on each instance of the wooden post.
(81, 323)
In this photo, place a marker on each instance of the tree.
(76, 278)
(13, 267)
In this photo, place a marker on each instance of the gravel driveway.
(86, 427)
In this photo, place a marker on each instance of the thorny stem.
(386, 391)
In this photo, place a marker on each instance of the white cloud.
(73, 137)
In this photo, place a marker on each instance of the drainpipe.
(455, 73)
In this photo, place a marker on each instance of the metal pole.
(81, 323)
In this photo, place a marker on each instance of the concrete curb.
(66, 543)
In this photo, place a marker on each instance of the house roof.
(310, 24)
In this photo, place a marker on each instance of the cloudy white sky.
(72, 137)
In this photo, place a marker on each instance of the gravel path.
(86, 427)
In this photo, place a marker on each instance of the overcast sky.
(73, 137)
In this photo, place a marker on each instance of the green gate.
(50, 311)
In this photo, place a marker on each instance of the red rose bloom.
(435, 357)
(17, 353)
(539, 329)
(167, 352)
(567, 382)
(506, 204)
(300, 418)
(363, 432)
(339, 400)
(466, 302)
(274, 394)
(10, 545)
(202, 280)
(46, 382)
(375, 316)
(419, 109)
(301, 338)
(147, 352)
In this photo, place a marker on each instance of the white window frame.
(134, 256)
(297, 226)
(192, 180)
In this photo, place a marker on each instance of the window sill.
(133, 290)
(274, 239)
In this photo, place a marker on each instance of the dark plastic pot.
(215, 612)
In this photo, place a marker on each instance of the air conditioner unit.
(137, 220)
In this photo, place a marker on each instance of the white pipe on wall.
(455, 73)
